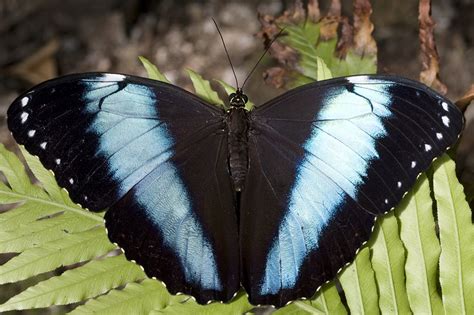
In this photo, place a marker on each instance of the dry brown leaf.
(275, 76)
(297, 14)
(466, 99)
(364, 43)
(314, 14)
(346, 40)
(429, 74)
(335, 8)
(330, 22)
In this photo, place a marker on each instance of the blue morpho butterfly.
(275, 200)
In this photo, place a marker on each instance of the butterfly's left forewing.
(155, 155)
(325, 159)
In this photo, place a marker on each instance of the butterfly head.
(238, 99)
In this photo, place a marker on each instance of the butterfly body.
(313, 168)
(238, 128)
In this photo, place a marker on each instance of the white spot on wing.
(445, 106)
(358, 79)
(57, 161)
(427, 147)
(24, 117)
(43, 145)
(24, 101)
(386, 201)
(113, 77)
(439, 135)
(71, 181)
(399, 184)
(31, 133)
(445, 120)
(413, 164)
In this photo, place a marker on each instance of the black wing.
(325, 159)
(156, 155)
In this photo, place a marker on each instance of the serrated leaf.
(327, 301)
(456, 233)
(418, 233)
(388, 260)
(303, 40)
(23, 214)
(203, 89)
(92, 279)
(303, 46)
(354, 64)
(299, 308)
(152, 70)
(42, 231)
(46, 179)
(135, 298)
(70, 249)
(16, 176)
(229, 89)
(323, 72)
(238, 305)
(358, 282)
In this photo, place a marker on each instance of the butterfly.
(275, 200)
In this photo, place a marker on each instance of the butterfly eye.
(232, 95)
(246, 99)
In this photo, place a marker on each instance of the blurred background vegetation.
(42, 39)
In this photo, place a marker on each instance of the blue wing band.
(353, 146)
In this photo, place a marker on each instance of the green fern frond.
(203, 89)
(152, 70)
(418, 233)
(358, 282)
(456, 231)
(388, 260)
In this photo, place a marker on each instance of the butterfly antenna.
(263, 55)
(227, 53)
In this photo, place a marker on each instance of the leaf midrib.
(94, 275)
(308, 308)
(52, 252)
(420, 243)
(458, 244)
(82, 212)
(389, 268)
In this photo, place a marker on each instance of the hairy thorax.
(237, 123)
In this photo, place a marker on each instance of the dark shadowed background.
(42, 39)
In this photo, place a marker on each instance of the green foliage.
(317, 55)
(398, 271)
(360, 288)
(418, 234)
(456, 263)
(203, 89)
(152, 70)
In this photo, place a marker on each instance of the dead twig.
(429, 74)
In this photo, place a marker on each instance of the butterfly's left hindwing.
(154, 155)
(325, 159)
